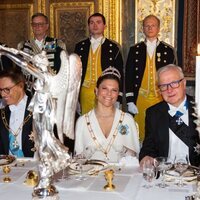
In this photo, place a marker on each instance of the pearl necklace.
(112, 139)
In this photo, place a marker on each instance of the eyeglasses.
(151, 26)
(173, 85)
(38, 24)
(7, 90)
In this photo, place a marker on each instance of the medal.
(15, 144)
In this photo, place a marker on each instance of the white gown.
(84, 139)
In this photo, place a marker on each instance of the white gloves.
(132, 108)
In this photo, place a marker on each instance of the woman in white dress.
(107, 133)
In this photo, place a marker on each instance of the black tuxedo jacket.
(27, 144)
(156, 142)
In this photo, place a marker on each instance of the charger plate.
(189, 175)
(89, 167)
(6, 159)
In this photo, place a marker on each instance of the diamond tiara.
(111, 70)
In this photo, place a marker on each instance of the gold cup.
(31, 178)
(6, 170)
(109, 174)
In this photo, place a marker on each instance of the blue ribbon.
(14, 150)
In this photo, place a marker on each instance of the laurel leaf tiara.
(111, 70)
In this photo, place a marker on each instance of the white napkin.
(129, 161)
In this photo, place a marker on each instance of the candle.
(197, 82)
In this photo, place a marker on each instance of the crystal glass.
(181, 165)
(162, 164)
(65, 171)
(149, 172)
(80, 159)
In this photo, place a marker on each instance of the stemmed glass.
(162, 164)
(80, 159)
(149, 172)
(181, 165)
(65, 171)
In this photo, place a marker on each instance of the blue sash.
(15, 150)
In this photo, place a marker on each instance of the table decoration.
(32, 178)
(6, 170)
(109, 174)
(53, 104)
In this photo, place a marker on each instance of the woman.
(106, 132)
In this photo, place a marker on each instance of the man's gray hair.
(170, 67)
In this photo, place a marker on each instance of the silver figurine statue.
(54, 103)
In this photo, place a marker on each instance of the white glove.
(132, 108)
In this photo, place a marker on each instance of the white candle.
(197, 80)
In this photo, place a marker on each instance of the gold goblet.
(109, 177)
(6, 170)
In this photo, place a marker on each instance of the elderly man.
(97, 53)
(53, 46)
(15, 120)
(169, 126)
(144, 59)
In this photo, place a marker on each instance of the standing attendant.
(96, 53)
(144, 59)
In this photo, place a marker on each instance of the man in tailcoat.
(170, 130)
(16, 137)
(110, 54)
(144, 59)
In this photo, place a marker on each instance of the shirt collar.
(183, 107)
(20, 105)
(99, 40)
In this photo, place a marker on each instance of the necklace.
(15, 133)
(112, 139)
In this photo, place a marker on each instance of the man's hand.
(151, 160)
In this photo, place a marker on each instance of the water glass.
(181, 165)
(149, 173)
(162, 164)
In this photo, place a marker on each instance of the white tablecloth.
(128, 182)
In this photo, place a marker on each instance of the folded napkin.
(129, 161)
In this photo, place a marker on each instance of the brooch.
(123, 129)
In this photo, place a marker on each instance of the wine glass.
(149, 173)
(80, 160)
(162, 164)
(65, 171)
(181, 165)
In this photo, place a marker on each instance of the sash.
(179, 128)
(14, 149)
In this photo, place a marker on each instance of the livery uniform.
(93, 63)
(53, 48)
(141, 85)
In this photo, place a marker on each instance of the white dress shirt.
(96, 42)
(17, 118)
(151, 46)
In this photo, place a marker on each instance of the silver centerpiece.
(54, 103)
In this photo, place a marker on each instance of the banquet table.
(128, 181)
